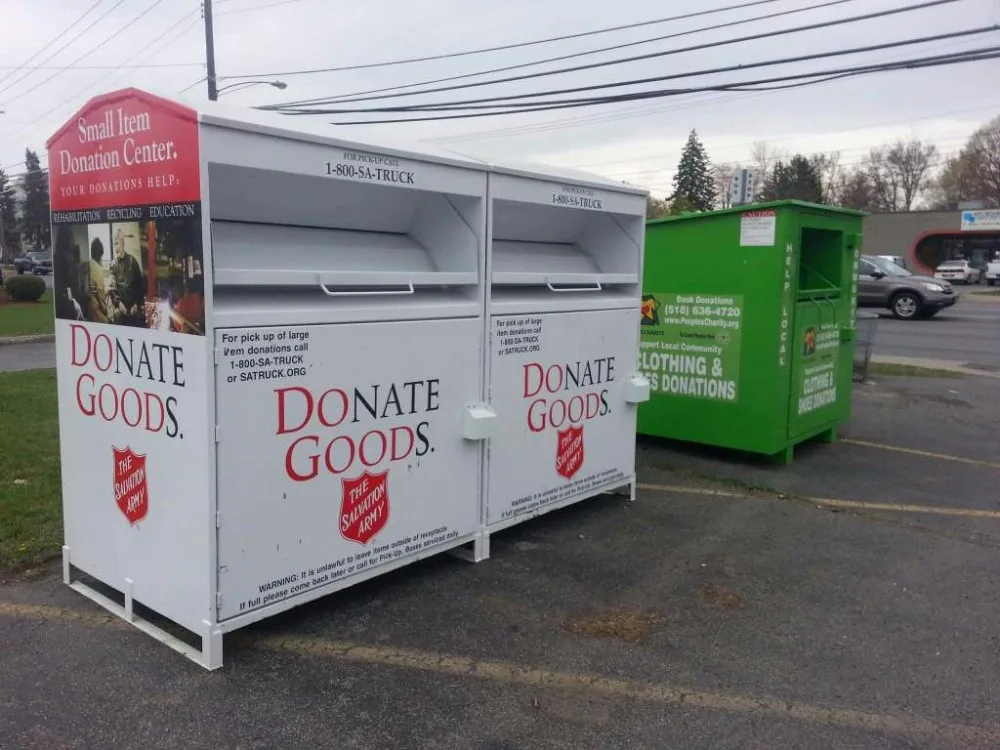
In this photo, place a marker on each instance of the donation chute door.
(565, 270)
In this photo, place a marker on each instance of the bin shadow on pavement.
(749, 619)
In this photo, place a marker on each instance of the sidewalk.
(34, 339)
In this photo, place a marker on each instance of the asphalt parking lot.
(848, 600)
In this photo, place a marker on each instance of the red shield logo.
(131, 489)
(569, 453)
(364, 506)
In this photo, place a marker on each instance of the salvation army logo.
(809, 342)
(364, 506)
(131, 490)
(650, 311)
(569, 451)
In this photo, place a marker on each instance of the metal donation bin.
(270, 360)
(747, 328)
(564, 268)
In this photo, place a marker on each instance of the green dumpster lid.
(760, 207)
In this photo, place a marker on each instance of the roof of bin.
(307, 129)
(761, 207)
(289, 126)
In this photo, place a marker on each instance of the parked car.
(882, 283)
(24, 264)
(43, 262)
(897, 259)
(958, 270)
(993, 272)
(38, 262)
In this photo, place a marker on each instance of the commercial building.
(925, 239)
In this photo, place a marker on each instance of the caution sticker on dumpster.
(757, 228)
(689, 344)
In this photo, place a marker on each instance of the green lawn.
(30, 494)
(27, 318)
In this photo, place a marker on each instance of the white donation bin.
(270, 360)
(565, 271)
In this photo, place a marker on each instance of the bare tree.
(763, 158)
(899, 173)
(984, 148)
(854, 190)
(972, 175)
(657, 208)
(830, 173)
(722, 175)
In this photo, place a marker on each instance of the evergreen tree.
(9, 236)
(694, 184)
(35, 205)
(798, 179)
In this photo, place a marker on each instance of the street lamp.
(280, 85)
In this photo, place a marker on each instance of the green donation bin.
(747, 325)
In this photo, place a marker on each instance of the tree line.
(899, 176)
(24, 209)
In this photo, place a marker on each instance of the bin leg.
(480, 549)
(830, 436)
(784, 457)
(211, 646)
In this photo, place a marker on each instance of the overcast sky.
(638, 142)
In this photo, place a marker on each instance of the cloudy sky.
(639, 142)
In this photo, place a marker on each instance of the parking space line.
(924, 454)
(934, 510)
(916, 728)
(913, 727)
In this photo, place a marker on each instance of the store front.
(925, 239)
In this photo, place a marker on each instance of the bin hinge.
(217, 433)
(218, 519)
(218, 599)
(215, 356)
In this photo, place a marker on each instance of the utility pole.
(206, 10)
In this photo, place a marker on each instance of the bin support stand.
(210, 655)
(478, 551)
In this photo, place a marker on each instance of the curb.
(39, 339)
(934, 364)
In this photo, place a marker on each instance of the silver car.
(882, 283)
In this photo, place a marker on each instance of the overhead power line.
(634, 58)
(506, 100)
(585, 53)
(819, 77)
(163, 39)
(83, 31)
(617, 114)
(503, 47)
(102, 67)
(793, 136)
(52, 41)
(91, 51)
(274, 4)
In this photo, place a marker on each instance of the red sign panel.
(364, 506)
(127, 148)
(131, 489)
(569, 453)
